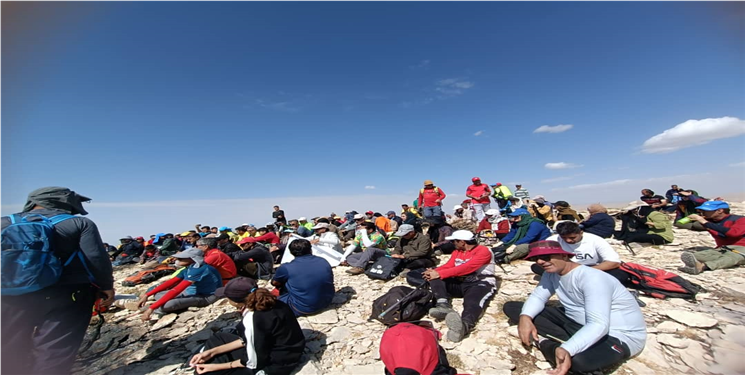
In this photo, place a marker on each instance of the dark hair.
(369, 225)
(205, 226)
(324, 220)
(262, 229)
(649, 190)
(276, 207)
(726, 210)
(149, 247)
(561, 204)
(214, 228)
(261, 300)
(300, 247)
(567, 227)
(472, 242)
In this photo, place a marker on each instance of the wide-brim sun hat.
(546, 248)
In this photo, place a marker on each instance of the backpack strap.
(78, 253)
(60, 218)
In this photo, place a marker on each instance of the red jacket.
(729, 231)
(477, 191)
(222, 262)
(502, 227)
(467, 262)
(429, 196)
(269, 237)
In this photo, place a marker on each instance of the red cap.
(140, 238)
(246, 240)
(369, 212)
(499, 184)
(405, 338)
(475, 179)
(546, 248)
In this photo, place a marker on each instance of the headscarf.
(522, 228)
(58, 198)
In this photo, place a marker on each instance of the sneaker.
(456, 328)
(440, 311)
(692, 266)
(355, 270)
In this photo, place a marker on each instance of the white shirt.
(595, 300)
(592, 250)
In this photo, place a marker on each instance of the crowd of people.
(600, 323)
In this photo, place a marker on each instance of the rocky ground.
(706, 336)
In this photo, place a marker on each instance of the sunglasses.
(545, 258)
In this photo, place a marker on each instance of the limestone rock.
(692, 319)
(164, 321)
(338, 334)
(672, 340)
(326, 317)
(669, 327)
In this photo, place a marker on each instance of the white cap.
(465, 235)
(303, 218)
(270, 224)
(457, 207)
(245, 225)
(359, 216)
(320, 225)
(492, 211)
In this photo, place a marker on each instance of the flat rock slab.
(672, 341)
(326, 317)
(164, 321)
(692, 319)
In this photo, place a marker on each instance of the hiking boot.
(440, 311)
(355, 270)
(456, 328)
(692, 266)
(344, 263)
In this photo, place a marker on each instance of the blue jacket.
(600, 224)
(537, 231)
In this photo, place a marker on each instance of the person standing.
(42, 330)
(521, 193)
(279, 216)
(479, 194)
(430, 199)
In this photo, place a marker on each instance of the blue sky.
(147, 107)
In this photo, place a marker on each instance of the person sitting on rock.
(266, 235)
(588, 249)
(513, 203)
(227, 247)
(729, 234)
(324, 237)
(193, 287)
(299, 229)
(525, 230)
(599, 222)
(686, 206)
(598, 325)
(128, 251)
(254, 260)
(468, 274)
(658, 231)
(656, 202)
(216, 258)
(415, 249)
(306, 283)
(373, 246)
(494, 222)
(565, 212)
(461, 212)
(270, 342)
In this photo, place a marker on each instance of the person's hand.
(146, 315)
(698, 218)
(273, 248)
(438, 201)
(651, 224)
(143, 300)
(563, 362)
(313, 242)
(108, 297)
(397, 256)
(526, 330)
(431, 274)
(204, 368)
(201, 357)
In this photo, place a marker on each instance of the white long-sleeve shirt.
(595, 300)
(329, 239)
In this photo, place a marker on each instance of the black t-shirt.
(656, 199)
(279, 216)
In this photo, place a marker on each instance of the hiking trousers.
(694, 226)
(432, 211)
(222, 338)
(480, 209)
(654, 239)
(42, 331)
(181, 302)
(519, 252)
(717, 259)
(553, 321)
(475, 296)
(361, 259)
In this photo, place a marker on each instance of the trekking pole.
(398, 303)
(628, 247)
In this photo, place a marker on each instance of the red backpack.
(659, 283)
(411, 349)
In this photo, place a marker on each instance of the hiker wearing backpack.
(269, 339)
(729, 234)
(46, 307)
(468, 274)
(598, 325)
(588, 249)
(430, 200)
(501, 194)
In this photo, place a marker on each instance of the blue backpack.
(28, 259)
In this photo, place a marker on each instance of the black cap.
(223, 236)
(237, 289)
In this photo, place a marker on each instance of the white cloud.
(561, 165)
(453, 86)
(553, 129)
(740, 164)
(369, 187)
(694, 133)
(597, 185)
(478, 133)
(557, 179)
(424, 64)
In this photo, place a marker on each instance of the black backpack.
(402, 304)
(385, 268)
(416, 277)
